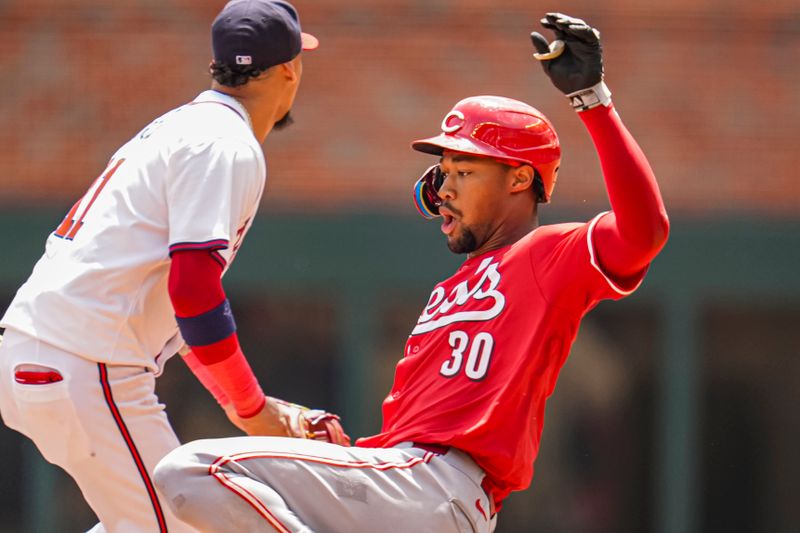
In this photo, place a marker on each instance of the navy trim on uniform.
(212, 245)
(216, 256)
(137, 458)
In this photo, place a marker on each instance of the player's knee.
(167, 469)
(178, 473)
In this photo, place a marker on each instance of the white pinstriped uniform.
(192, 178)
(96, 311)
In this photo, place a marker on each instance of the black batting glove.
(574, 61)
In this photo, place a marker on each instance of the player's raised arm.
(629, 237)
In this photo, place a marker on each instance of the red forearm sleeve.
(204, 376)
(195, 288)
(628, 238)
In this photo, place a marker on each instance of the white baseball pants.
(103, 424)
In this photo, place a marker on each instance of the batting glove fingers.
(565, 27)
(574, 61)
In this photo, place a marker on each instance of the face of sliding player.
(499, 158)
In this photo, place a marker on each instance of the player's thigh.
(127, 426)
(116, 478)
(129, 433)
(43, 409)
(102, 424)
(93, 413)
(330, 488)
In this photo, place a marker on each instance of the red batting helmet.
(491, 126)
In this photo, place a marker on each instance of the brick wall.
(709, 89)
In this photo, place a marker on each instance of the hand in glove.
(574, 61)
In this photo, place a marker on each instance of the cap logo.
(244, 60)
(457, 124)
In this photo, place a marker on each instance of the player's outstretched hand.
(284, 419)
(274, 420)
(574, 61)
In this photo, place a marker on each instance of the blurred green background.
(678, 410)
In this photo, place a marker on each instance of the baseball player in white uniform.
(132, 275)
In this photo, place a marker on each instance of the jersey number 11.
(72, 223)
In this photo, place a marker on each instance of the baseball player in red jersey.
(462, 424)
(133, 274)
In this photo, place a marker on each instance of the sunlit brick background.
(709, 88)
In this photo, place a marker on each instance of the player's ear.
(521, 178)
(289, 70)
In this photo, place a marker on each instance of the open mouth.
(448, 224)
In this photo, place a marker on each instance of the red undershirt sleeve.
(195, 282)
(628, 238)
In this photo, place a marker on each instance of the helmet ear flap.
(426, 197)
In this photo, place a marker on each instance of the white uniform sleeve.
(212, 192)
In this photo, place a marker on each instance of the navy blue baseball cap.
(261, 33)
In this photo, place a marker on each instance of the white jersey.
(192, 179)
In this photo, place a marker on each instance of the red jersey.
(488, 347)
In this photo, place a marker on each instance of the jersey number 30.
(479, 354)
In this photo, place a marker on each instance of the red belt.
(439, 449)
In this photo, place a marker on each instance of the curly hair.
(233, 76)
(538, 187)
